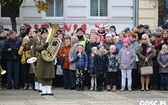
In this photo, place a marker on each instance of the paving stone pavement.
(73, 97)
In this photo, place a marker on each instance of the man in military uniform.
(45, 70)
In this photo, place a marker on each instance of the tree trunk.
(13, 22)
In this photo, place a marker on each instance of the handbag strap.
(145, 63)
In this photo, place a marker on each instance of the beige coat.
(44, 69)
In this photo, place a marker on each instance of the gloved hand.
(45, 45)
(54, 43)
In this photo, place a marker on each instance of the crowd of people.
(100, 60)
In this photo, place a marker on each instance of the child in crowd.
(81, 61)
(163, 68)
(92, 69)
(112, 69)
(101, 62)
(126, 57)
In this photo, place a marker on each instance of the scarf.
(144, 48)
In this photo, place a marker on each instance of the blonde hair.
(147, 38)
(96, 37)
(74, 39)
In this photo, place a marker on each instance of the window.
(56, 8)
(98, 8)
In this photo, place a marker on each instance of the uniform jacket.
(44, 69)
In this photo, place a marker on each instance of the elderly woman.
(145, 54)
(72, 67)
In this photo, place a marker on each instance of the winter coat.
(148, 55)
(81, 61)
(15, 45)
(112, 62)
(163, 60)
(44, 69)
(91, 65)
(118, 45)
(2, 40)
(135, 44)
(89, 47)
(126, 58)
(72, 52)
(24, 54)
(101, 63)
(65, 50)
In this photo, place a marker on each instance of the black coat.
(101, 63)
(15, 45)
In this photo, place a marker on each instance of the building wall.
(77, 14)
(148, 13)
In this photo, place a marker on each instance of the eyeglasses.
(143, 38)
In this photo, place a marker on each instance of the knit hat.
(127, 40)
(157, 29)
(100, 45)
(153, 34)
(164, 46)
(113, 47)
(108, 35)
(94, 48)
(80, 47)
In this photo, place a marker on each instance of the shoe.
(162, 87)
(65, 87)
(9, 87)
(44, 90)
(91, 89)
(147, 89)
(114, 88)
(48, 91)
(122, 89)
(129, 88)
(16, 87)
(72, 88)
(142, 89)
(108, 87)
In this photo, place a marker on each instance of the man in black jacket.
(11, 47)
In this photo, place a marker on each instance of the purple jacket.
(126, 58)
(163, 60)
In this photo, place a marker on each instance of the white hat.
(108, 35)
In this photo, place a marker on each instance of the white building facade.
(72, 14)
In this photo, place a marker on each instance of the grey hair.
(74, 39)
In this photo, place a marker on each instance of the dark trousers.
(66, 78)
(80, 77)
(164, 78)
(154, 78)
(26, 76)
(135, 79)
(100, 78)
(72, 78)
(58, 81)
(13, 67)
(112, 78)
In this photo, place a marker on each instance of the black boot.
(77, 88)
(161, 87)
